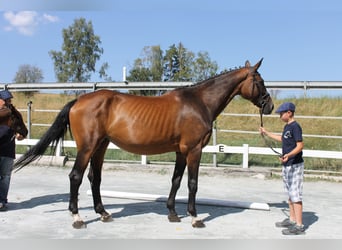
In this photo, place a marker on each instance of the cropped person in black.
(7, 149)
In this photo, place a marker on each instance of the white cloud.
(51, 19)
(26, 22)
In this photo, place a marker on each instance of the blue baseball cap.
(286, 106)
(5, 94)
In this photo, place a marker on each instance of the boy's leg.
(298, 211)
(292, 211)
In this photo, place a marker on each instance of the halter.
(263, 136)
(262, 102)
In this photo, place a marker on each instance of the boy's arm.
(299, 147)
(269, 134)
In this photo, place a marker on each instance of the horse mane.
(223, 72)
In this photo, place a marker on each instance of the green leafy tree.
(28, 74)
(177, 64)
(80, 52)
(103, 72)
(148, 68)
(154, 56)
(203, 67)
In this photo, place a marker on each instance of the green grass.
(305, 107)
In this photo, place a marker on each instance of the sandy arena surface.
(38, 202)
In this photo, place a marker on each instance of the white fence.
(245, 149)
(91, 86)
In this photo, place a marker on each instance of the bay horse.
(178, 121)
(11, 117)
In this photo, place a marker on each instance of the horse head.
(17, 122)
(253, 89)
(5, 115)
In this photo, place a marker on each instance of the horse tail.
(51, 137)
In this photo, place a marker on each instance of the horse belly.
(138, 144)
(140, 138)
(142, 149)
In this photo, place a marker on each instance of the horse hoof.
(173, 218)
(106, 218)
(79, 225)
(197, 224)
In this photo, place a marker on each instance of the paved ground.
(39, 196)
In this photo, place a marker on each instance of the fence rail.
(220, 130)
(91, 86)
(245, 150)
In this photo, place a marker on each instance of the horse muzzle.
(267, 108)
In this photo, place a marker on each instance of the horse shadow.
(127, 209)
(309, 217)
(140, 208)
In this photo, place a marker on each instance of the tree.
(148, 68)
(177, 63)
(103, 74)
(203, 67)
(80, 52)
(28, 74)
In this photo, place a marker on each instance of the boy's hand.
(262, 131)
(284, 158)
(19, 137)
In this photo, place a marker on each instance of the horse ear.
(247, 64)
(256, 66)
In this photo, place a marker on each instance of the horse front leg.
(94, 177)
(176, 181)
(193, 160)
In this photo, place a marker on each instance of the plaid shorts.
(293, 177)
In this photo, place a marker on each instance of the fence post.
(59, 148)
(29, 123)
(245, 156)
(214, 144)
(143, 160)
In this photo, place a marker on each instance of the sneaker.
(295, 230)
(285, 223)
(3, 208)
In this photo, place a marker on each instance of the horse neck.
(219, 91)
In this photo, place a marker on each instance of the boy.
(293, 167)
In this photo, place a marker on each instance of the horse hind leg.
(176, 181)
(94, 177)
(76, 176)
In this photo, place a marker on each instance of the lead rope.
(263, 136)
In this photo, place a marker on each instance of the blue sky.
(299, 40)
